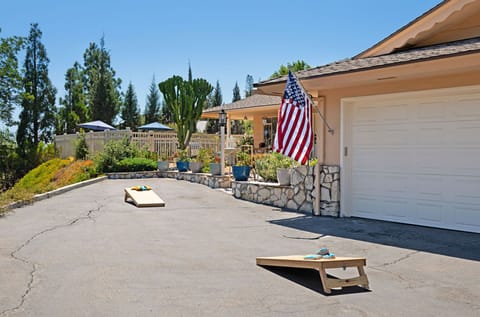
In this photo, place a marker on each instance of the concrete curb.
(55, 192)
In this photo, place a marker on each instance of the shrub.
(81, 148)
(116, 151)
(266, 165)
(135, 164)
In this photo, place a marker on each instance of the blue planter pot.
(182, 166)
(241, 173)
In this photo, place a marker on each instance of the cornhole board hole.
(143, 198)
(298, 261)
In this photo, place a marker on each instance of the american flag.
(294, 136)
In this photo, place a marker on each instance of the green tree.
(74, 110)
(37, 118)
(185, 100)
(103, 89)
(215, 99)
(152, 108)
(8, 160)
(10, 78)
(130, 113)
(236, 93)
(248, 86)
(294, 67)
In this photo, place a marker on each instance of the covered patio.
(261, 109)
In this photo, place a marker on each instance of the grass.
(48, 176)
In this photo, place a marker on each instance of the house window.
(269, 130)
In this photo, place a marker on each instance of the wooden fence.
(162, 143)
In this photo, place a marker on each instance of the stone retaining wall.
(300, 195)
(213, 181)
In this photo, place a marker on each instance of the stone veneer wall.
(301, 194)
(329, 190)
(213, 181)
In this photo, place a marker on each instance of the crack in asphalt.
(397, 260)
(33, 270)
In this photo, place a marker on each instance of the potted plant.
(215, 167)
(241, 169)
(205, 157)
(197, 162)
(163, 164)
(284, 169)
(182, 161)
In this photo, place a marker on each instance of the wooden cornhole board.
(144, 198)
(298, 261)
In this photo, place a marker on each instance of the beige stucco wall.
(332, 99)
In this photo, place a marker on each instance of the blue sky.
(222, 40)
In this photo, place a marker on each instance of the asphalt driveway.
(88, 253)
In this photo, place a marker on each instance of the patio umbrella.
(96, 126)
(155, 126)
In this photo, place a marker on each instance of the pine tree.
(37, 118)
(130, 113)
(103, 89)
(152, 108)
(248, 86)
(236, 93)
(215, 98)
(74, 110)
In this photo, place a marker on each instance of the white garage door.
(413, 158)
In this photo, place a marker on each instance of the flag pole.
(330, 130)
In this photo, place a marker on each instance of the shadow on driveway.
(310, 278)
(439, 241)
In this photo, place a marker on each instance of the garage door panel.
(465, 162)
(415, 158)
(364, 161)
(395, 135)
(365, 114)
(366, 206)
(466, 190)
(396, 209)
(429, 188)
(393, 160)
(466, 218)
(430, 135)
(395, 113)
(430, 111)
(365, 136)
(431, 161)
(466, 109)
(466, 135)
(364, 183)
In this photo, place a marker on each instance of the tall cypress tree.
(248, 86)
(74, 110)
(215, 98)
(37, 118)
(152, 108)
(103, 89)
(236, 93)
(130, 113)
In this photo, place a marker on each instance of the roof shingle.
(408, 56)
